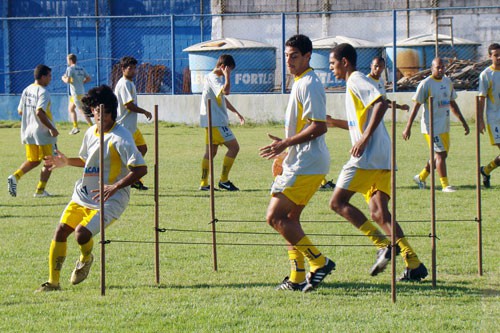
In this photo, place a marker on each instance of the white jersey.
(489, 87)
(443, 93)
(360, 96)
(307, 103)
(76, 75)
(125, 92)
(212, 89)
(120, 153)
(380, 84)
(33, 131)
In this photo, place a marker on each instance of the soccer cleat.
(74, 130)
(420, 183)
(44, 194)
(81, 270)
(206, 188)
(313, 279)
(138, 185)
(383, 258)
(329, 185)
(48, 287)
(228, 186)
(12, 185)
(486, 178)
(414, 275)
(289, 285)
(449, 189)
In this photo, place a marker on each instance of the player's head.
(437, 68)
(71, 59)
(226, 60)
(494, 54)
(298, 50)
(128, 65)
(377, 66)
(342, 59)
(43, 75)
(100, 95)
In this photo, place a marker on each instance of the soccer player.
(368, 170)
(123, 166)
(216, 86)
(489, 90)
(76, 76)
(38, 132)
(127, 108)
(441, 89)
(304, 167)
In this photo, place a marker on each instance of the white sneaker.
(74, 130)
(420, 183)
(449, 189)
(81, 270)
(42, 195)
(12, 185)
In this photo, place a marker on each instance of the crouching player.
(123, 166)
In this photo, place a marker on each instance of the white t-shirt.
(212, 89)
(443, 93)
(33, 131)
(76, 75)
(120, 154)
(489, 87)
(125, 92)
(380, 84)
(360, 96)
(307, 103)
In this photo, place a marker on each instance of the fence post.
(283, 61)
(172, 48)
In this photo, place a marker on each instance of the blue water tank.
(255, 64)
(366, 51)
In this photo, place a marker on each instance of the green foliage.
(240, 295)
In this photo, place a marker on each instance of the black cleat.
(383, 258)
(329, 185)
(414, 275)
(138, 185)
(486, 178)
(228, 186)
(289, 285)
(315, 278)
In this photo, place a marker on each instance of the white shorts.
(494, 132)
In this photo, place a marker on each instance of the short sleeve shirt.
(33, 131)
(76, 75)
(212, 89)
(489, 87)
(380, 84)
(125, 92)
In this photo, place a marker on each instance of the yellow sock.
(444, 182)
(86, 250)
(226, 167)
(205, 166)
(423, 174)
(313, 255)
(409, 256)
(41, 187)
(490, 167)
(374, 234)
(57, 255)
(18, 174)
(323, 182)
(297, 269)
(75, 124)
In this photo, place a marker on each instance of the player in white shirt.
(216, 87)
(76, 76)
(441, 89)
(305, 166)
(38, 131)
(123, 166)
(128, 109)
(368, 170)
(489, 92)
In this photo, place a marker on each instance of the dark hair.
(347, 51)
(100, 95)
(300, 42)
(127, 61)
(492, 47)
(41, 70)
(72, 57)
(379, 59)
(226, 60)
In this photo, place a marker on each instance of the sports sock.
(18, 174)
(75, 124)
(409, 256)
(86, 250)
(423, 174)
(205, 165)
(323, 182)
(226, 167)
(313, 255)
(41, 187)
(57, 255)
(297, 269)
(444, 182)
(490, 167)
(373, 233)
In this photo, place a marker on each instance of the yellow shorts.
(298, 188)
(36, 153)
(365, 181)
(441, 142)
(75, 214)
(138, 138)
(220, 135)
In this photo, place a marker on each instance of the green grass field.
(240, 296)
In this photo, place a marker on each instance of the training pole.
(211, 172)
(433, 190)
(478, 193)
(101, 199)
(157, 203)
(393, 204)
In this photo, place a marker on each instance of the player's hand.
(407, 134)
(108, 192)
(53, 132)
(226, 70)
(274, 149)
(466, 128)
(405, 107)
(148, 115)
(55, 161)
(358, 148)
(482, 126)
(242, 120)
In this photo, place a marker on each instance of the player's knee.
(336, 205)
(82, 235)
(62, 232)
